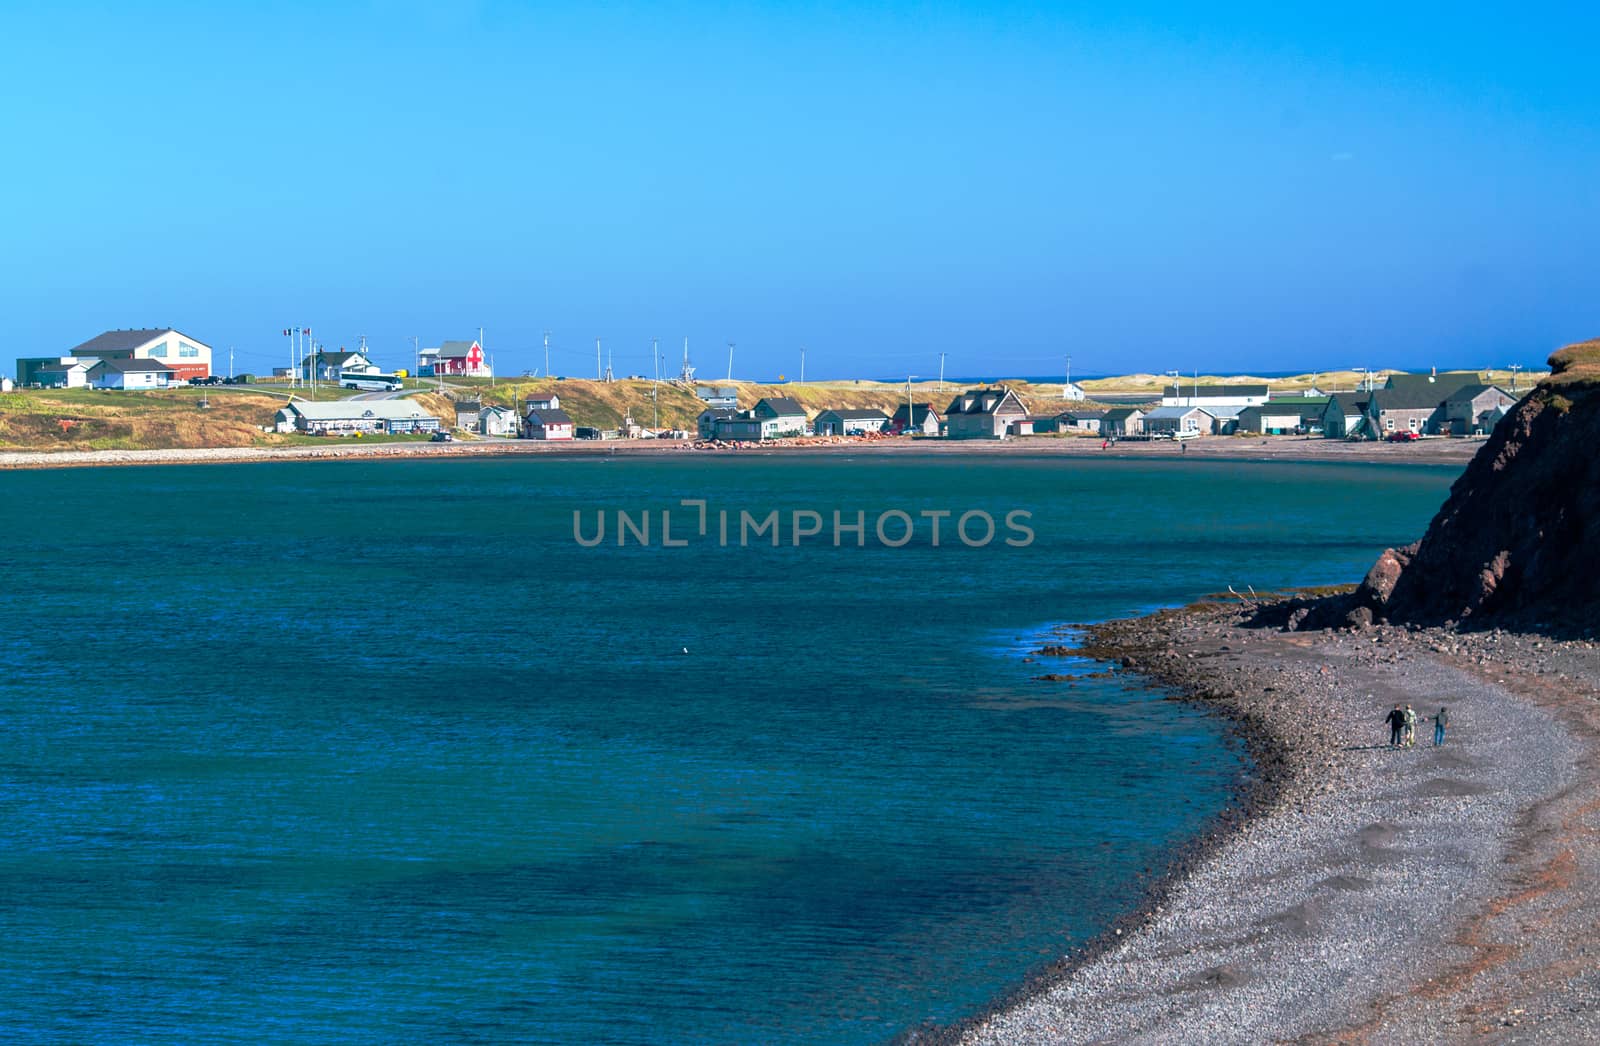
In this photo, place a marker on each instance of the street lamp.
(1177, 387)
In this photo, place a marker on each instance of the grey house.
(1122, 421)
(925, 420)
(987, 414)
(467, 412)
(706, 423)
(1341, 417)
(1474, 409)
(725, 396)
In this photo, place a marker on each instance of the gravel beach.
(1372, 894)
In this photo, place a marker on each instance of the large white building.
(1181, 395)
(185, 357)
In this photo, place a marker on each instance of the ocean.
(380, 751)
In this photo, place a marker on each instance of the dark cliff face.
(1518, 540)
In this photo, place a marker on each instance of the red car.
(1403, 436)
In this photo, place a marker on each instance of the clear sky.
(1186, 186)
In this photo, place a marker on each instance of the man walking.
(1411, 727)
(1397, 723)
(1440, 721)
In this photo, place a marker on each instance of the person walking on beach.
(1397, 723)
(1411, 727)
(1440, 721)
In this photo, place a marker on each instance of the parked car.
(442, 437)
(1403, 436)
(585, 432)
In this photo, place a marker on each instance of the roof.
(495, 408)
(1444, 384)
(919, 415)
(1214, 391)
(548, 416)
(456, 349)
(857, 415)
(468, 405)
(124, 341)
(61, 368)
(985, 401)
(1122, 414)
(1349, 402)
(1082, 415)
(1467, 392)
(719, 412)
(1164, 413)
(1223, 413)
(336, 410)
(716, 392)
(783, 406)
(122, 366)
(1295, 401)
(1412, 397)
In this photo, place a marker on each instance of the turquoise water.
(373, 752)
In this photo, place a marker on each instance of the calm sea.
(376, 752)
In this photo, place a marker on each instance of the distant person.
(1397, 725)
(1411, 727)
(1104, 444)
(1185, 448)
(1440, 721)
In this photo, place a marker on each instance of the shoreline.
(1309, 909)
(1216, 448)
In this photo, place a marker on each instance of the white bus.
(370, 382)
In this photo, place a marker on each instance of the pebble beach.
(1361, 892)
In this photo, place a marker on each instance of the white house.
(721, 396)
(331, 364)
(547, 425)
(543, 401)
(130, 374)
(1073, 391)
(787, 417)
(849, 422)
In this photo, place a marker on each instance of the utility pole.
(655, 386)
(1177, 391)
(942, 355)
(230, 363)
(730, 361)
(597, 372)
(1514, 368)
(416, 356)
(802, 364)
(1066, 388)
(911, 411)
(547, 354)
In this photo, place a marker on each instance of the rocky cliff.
(1518, 540)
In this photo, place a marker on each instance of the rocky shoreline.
(1356, 892)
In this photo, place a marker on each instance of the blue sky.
(1178, 186)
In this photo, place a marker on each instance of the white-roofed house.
(350, 417)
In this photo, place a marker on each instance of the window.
(159, 352)
(184, 349)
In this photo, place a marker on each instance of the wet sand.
(1372, 894)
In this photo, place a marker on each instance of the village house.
(1073, 391)
(925, 420)
(542, 401)
(547, 423)
(354, 417)
(1083, 420)
(1208, 396)
(1179, 421)
(1412, 408)
(467, 412)
(990, 413)
(1442, 384)
(849, 422)
(130, 374)
(495, 420)
(332, 364)
(66, 373)
(1341, 418)
(741, 426)
(789, 417)
(1474, 409)
(1225, 419)
(1286, 416)
(454, 359)
(1121, 422)
(706, 423)
(723, 396)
